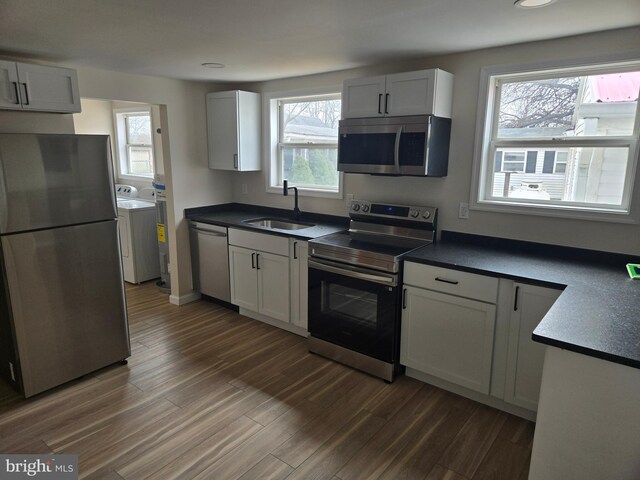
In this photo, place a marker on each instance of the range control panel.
(398, 212)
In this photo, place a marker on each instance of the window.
(512, 161)
(135, 143)
(559, 140)
(560, 163)
(304, 132)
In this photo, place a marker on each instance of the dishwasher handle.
(202, 229)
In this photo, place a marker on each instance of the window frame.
(120, 116)
(487, 142)
(273, 144)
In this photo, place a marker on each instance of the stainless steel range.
(355, 285)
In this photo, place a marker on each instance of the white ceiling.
(268, 39)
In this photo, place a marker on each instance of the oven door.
(355, 308)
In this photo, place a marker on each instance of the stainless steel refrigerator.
(62, 303)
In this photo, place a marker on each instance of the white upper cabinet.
(411, 93)
(233, 130)
(39, 88)
(363, 97)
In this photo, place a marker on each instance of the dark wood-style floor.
(210, 394)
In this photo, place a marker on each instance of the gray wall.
(447, 192)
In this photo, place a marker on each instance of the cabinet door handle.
(257, 261)
(386, 103)
(404, 298)
(15, 86)
(515, 300)
(380, 103)
(26, 94)
(444, 280)
(295, 253)
(235, 161)
(253, 260)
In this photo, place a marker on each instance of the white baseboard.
(184, 299)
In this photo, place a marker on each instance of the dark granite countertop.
(235, 214)
(598, 313)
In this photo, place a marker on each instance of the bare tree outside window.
(139, 144)
(563, 141)
(538, 104)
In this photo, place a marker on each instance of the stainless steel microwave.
(413, 145)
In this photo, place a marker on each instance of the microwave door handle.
(397, 149)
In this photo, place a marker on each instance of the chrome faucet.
(285, 192)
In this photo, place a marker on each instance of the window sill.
(139, 178)
(309, 192)
(577, 213)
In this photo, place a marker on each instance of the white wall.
(588, 424)
(96, 118)
(447, 192)
(189, 182)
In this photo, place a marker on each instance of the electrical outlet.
(463, 210)
(348, 199)
(245, 189)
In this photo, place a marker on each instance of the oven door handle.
(353, 272)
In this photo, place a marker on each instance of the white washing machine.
(138, 237)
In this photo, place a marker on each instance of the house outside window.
(559, 139)
(304, 150)
(135, 143)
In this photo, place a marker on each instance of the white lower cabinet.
(260, 282)
(474, 331)
(448, 337)
(525, 357)
(259, 273)
(244, 277)
(273, 285)
(268, 276)
(299, 258)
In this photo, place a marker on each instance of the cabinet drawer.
(259, 241)
(454, 282)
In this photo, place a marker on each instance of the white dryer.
(138, 239)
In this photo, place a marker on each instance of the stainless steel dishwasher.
(210, 260)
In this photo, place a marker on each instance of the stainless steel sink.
(278, 223)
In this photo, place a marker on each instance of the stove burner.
(379, 235)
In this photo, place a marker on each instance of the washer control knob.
(414, 213)
(365, 208)
(355, 207)
(426, 214)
